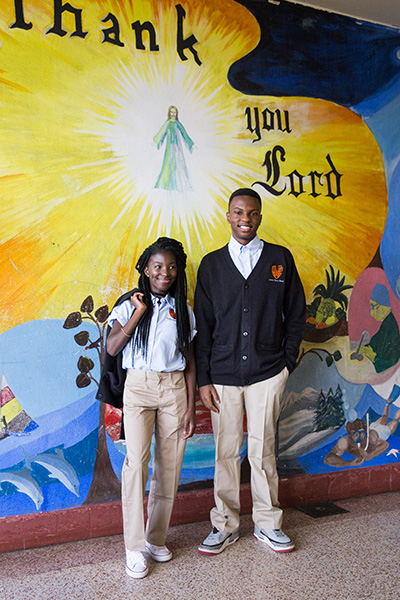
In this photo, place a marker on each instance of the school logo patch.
(172, 313)
(276, 271)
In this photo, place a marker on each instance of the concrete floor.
(350, 556)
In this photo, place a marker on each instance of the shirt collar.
(253, 246)
(166, 300)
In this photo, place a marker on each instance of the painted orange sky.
(78, 161)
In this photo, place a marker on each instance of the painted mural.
(122, 121)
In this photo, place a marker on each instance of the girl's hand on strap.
(137, 301)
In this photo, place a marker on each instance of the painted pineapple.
(330, 301)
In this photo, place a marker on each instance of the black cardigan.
(248, 330)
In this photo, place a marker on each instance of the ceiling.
(386, 12)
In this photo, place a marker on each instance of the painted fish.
(58, 468)
(24, 483)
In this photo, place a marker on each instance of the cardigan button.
(246, 286)
(245, 309)
(245, 333)
(244, 357)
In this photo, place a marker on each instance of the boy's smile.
(244, 217)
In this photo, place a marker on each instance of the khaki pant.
(262, 403)
(160, 400)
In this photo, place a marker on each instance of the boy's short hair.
(244, 192)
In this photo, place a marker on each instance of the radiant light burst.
(136, 109)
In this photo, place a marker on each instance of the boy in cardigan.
(250, 311)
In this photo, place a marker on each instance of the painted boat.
(14, 420)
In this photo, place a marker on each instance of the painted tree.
(329, 411)
(105, 485)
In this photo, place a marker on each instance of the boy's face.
(244, 217)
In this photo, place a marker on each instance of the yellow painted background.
(78, 162)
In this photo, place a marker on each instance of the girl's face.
(162, 272)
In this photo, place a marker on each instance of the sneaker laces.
(279, 533)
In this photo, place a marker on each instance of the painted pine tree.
(329, 413)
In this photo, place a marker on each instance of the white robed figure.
(174, 174)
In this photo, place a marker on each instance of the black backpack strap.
(112, 380)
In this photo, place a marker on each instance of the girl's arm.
(189, 424)
(120, 335)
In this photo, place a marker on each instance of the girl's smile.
(162, 272)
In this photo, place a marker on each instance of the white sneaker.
(275, 538)
(217, 541)
(159, 553)
(136, 564)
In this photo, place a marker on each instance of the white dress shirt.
(245, 257)
(163, 353)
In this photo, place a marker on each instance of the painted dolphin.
(24, 483)
(58, 468)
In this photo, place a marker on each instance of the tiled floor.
(351, 556)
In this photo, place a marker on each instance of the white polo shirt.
(163, 353)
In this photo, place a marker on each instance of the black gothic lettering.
(181, 43)
(20, 22)
(336, 179)
(111, 35)
(149, 27)
(273, 169)
(279, 120)
(293, 176)
(315, 178)
(256, 128)
(271, 120)
(268, 119)
(272, 161)
(59, 8)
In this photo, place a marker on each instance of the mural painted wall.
(122, 121)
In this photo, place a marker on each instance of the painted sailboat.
(14, 420)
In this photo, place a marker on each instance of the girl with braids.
(154, 329)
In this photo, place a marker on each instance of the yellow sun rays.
(78, 162)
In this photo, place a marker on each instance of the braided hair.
(178, 290)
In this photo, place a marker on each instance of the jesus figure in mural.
(173, 175)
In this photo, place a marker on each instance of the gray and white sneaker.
(136, 564)
(217, 541)
(275, 538)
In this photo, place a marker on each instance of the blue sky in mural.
(36, 356)
(313, 53)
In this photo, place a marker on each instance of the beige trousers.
(262, 404)
(159, 401)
